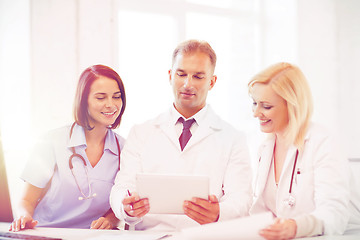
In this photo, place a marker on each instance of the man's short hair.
(192, 46)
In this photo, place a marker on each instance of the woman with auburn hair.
(69, 176)
(302, 177)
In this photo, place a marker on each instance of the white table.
(88, 234)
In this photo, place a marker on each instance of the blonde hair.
(289, 83)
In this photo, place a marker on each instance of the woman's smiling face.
(104, 102)
(269, 108)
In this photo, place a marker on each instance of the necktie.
(186, 134)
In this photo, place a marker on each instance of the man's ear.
(213, 81)
(169, 72)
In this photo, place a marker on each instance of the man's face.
(191, 77)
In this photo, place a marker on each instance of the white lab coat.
(215, 149)
(321, 188)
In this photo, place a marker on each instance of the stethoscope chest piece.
(290, 201)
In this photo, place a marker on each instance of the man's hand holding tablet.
(203, 210)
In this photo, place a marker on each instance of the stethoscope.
(74, 155)
(290, 201)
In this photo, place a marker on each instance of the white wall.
(329, 54)
(54, 62)
(14, 85)
(318, 59)
(348, 82)
(66, 37)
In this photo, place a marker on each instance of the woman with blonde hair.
(302, 177)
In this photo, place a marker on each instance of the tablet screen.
(167, 193)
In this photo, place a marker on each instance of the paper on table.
(124, 235)
(240, 228)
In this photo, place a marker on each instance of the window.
(35, 71)
(148, 34)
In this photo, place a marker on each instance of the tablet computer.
(167, 193)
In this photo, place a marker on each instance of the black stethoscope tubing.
(293, 171)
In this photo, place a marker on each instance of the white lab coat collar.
(208, 122)
(199, 116)
(205, 117)
(267, 148)
(265, 160)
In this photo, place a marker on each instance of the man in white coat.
(215, 149)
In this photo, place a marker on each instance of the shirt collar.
(77, 138)
(199, 116)
(110, 142)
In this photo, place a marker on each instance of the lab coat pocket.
(302, 179)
